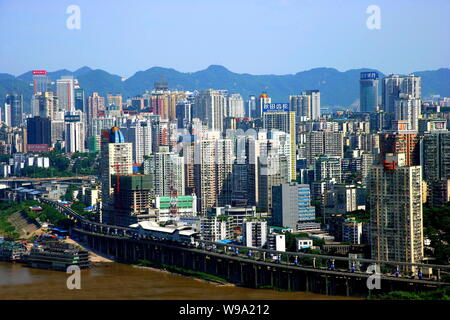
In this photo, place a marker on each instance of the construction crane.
(117, 166)
(173, 195)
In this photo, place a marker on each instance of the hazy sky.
(246, 36)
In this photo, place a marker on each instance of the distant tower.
(368, 94)
(65, 90)
(40, 81)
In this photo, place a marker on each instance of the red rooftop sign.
(39, 72)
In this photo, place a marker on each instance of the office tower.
(323, 142)
(251, 106)
(15, 102)
(395, 205)
(436, 166)
(40, 81)
(139, 133)
(166, 171)
(254, 233)
(132, 201)
(278, 117)
(328, 168)
(96, 106)
(183, 113)
(394, 84)
(235, 106)
(368, 93)
(292, 205)
(301, 105)
(65, 92)
(116, 159)
(74, 131)
(401, 142)
(407, 109)
(38, 133)
(263, 99)
(315, 103)
(209, 107)
(80, 100)
(115, 100)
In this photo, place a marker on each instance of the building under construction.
(132, 201)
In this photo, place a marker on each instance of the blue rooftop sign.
(369, 75)
(271, 107)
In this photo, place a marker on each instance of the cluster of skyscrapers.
(231, 168)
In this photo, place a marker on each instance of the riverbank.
(196, 275)
(96, 257)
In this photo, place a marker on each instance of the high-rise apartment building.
(328, 168)
(235, 106)
(277, 116)
(393, 85)
(139, 133)
(323, 142)
(315, 103)
(166, 171)
(407, 109)
(96, 105)
(401, 142)
(301, 105)
(210, 107)
(436, 166)
(395, 205)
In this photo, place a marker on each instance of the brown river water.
(120, 281)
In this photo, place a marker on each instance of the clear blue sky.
(246, 36)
